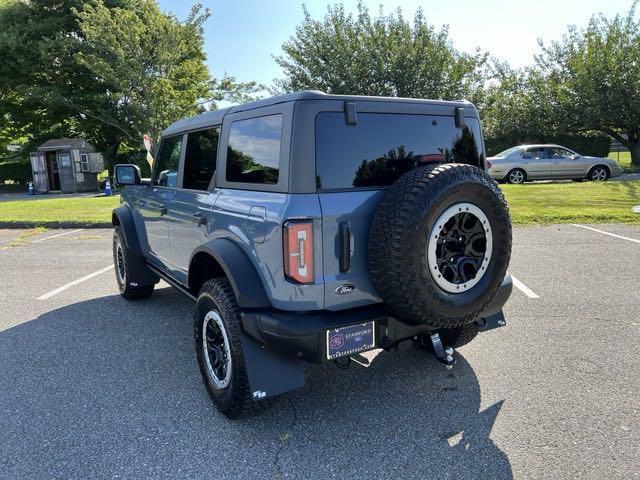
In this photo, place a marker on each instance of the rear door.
(536, 163)
(190, 219)
(355, 163)
(155, 200)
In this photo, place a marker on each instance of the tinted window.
(165, 172)
(534, 154)
(381, 147)
(253, 155)
(200, 159)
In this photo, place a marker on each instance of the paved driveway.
(92, 386)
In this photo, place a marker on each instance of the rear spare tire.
(440, 244)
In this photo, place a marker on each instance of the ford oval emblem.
(345, 289)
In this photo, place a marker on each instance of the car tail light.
(298, 251)
(489, 164)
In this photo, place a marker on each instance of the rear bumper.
(303, 335)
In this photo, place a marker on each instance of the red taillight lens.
(489, 164)
(298, 251)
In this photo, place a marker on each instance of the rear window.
(383, 146)
(253, 155)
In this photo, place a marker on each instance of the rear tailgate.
(347, 213)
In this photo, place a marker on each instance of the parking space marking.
(75, 282)
(523, 288)
(57, 235)
(634, 240)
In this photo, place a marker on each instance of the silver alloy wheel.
(215, 343)
(459, 247)
(516, 177)
(599, 174)
(121, 270)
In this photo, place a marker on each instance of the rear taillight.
(298, 251)
(489, 164)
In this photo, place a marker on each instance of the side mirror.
(127, 175)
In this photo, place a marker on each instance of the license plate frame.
(350, 339)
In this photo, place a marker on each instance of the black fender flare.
(245, 281)
(139, 273)
(122, 216)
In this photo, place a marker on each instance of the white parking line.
(634, 240)
(57, 235)
(523, 288)
(75, 282)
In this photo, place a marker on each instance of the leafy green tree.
(593, 77)
(383, 55)
(150, 67)
(108, 70)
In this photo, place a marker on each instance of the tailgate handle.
(345, 247)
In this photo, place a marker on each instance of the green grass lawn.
(55, 212)
(585, 202)
(531, 203)
(624, 159)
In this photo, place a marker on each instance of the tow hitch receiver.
(443, 354)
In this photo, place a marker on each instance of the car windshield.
(507, 152)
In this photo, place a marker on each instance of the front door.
(566, 164)
(155, 202)
(190, 212)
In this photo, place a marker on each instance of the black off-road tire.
(122, 269)
(399, 237)
(234, 400)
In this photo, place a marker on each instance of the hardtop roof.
(215, 117)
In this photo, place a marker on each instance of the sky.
(242, 36)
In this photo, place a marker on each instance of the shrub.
(19, 172)
(596, 145)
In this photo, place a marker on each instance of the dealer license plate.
(345, 341)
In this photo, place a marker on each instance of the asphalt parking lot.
(92, 386)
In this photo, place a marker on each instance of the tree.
(593, 76)
(385, 55)
(107, 70)
(149, 66)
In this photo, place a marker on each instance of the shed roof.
(215, 117)
(63, 143)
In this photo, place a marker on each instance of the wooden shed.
(66, 165)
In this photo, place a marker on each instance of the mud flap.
(496, 320)
(269, 372)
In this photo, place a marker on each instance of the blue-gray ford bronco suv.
(310, 228)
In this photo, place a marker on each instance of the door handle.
(163, 210)
(199, 219)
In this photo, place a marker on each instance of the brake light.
(489, 164)
(298, 251)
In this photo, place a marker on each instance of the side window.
(200, 158)
(165, 172)
(556, 152)
(534, 154)
(253, 155)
